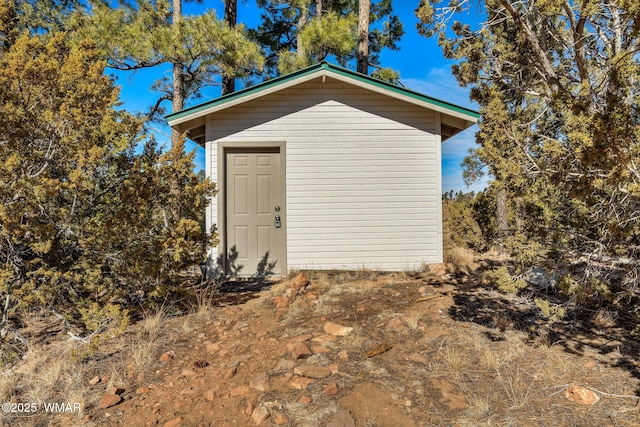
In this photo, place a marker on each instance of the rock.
(300, 383)
(396, 325)
(260, 382)
(299, 349)
(109, 400)
(301, 281)
(187, 390)
(341, 419)
(331, 389)
(280, 419)
(438, 269)
(213, 347)
(343, 355)
(337, 330)
(305, 399)
(324, 338)
(173, 423)
(249, 409)
(143, 390)
(166, 357)
(230, 373)
(239, 390)
(284, 365)
(539, 278)
(319, 349)
(281, 302)
(115, 390)
(210, 395)
(312, 371)
(581, 395)
(259, 414)
(186, 372)
(95, 380)
(361, 309)
(418, 358)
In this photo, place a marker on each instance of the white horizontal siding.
(362, 174)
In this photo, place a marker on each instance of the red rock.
(319, 349)
(109, 400)
(249, 409)
(260, 382)
(331, 389)
(210, 395)
(259, 414)
(281, 302)
(284, 365)
(213, 347)
(280, 419)
(230, 373)
(342, 419)
(312, 295)
(143, 390)
(94, 380)
(187, 390)
(186, 372)
(581, 395)
(337, 330)
(312, 371)
(166, 357)
(239, 390)
(343, 355)
(396, 325)
(305, 399)
(419, 358)
(115, 390)
(300, 382)
(301, 281)
(173, 423)
(324, 338)
(298, 349)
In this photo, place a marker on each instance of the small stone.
(210, 395)
(319, 349)
(341, 419)
(259, 414)
(305, 399)
(418, 358)
(324, 338)
(186, 372)
(361, 309)
(230, 373)
(239, 390)
(343, 355)
(260, 382)
(95, 380)
(581, 395)
(173, 423)
(299, 349)
(280, 419)
(311, 371)
(187, 390)
(337, 330)
(213, 347)
(166, 357)
(249, 409)
(300, 383)
(281, 302)
(301, 281)
(284, 365)
(331, 389)
(115, 390)
(396, 325)
(109, 400)
(590, 364)
(143, 390)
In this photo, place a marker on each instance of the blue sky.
(420, 62)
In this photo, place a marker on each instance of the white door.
(254, 213)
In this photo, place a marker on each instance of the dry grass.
(462, 259)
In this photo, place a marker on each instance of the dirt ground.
(361, 349)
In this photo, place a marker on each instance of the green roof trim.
(313, 69)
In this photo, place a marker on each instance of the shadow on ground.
(580, 332)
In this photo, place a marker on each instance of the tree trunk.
(318, 9)
(230, 17)
(363, 36)
(501, 216)
(177, 99)
(302, 21)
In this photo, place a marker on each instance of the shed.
(324, 168)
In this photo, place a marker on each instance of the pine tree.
(557, 86)
(230, 17)
(295, 34)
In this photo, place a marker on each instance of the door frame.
(250, 147)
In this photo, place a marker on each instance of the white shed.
(325, 168)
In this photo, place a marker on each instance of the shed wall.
(362, 174)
